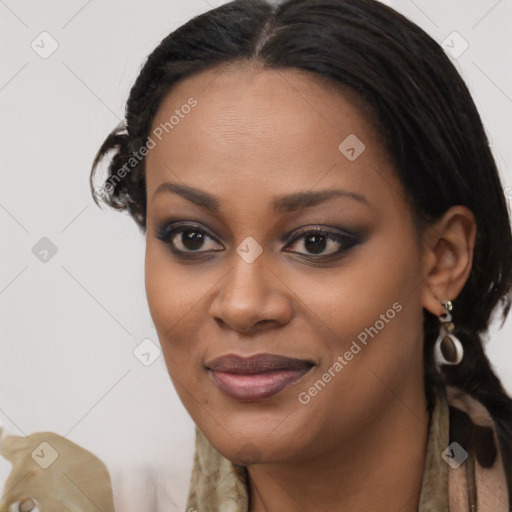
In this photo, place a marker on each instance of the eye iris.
(192, 240)
(315, 243)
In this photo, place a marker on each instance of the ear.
(448, 247)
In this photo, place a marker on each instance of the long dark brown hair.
(426, 117)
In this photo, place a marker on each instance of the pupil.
(192, 240)
(315, 243)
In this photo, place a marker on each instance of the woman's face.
(293, 238)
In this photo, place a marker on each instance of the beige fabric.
(219, 485)
(492, 493)
(57, 473)
(434, 491)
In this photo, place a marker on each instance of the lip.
(257, 377)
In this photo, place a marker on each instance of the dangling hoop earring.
(447, 349)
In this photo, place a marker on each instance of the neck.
(382, 468)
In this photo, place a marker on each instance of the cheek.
(372, 306)
(352, 296)
(170, 295)
(375, 319)
(176, 296)
(159, 282)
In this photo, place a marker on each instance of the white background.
(69, 326)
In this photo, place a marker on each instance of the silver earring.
(447, 349)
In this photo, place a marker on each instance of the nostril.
(262, 322)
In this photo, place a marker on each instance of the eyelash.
(166, 233)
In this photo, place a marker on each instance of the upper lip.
(258, 363)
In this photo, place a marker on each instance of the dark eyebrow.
(282, 204)
(300, 200)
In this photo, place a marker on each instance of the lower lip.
(256, 386)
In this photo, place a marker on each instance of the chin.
(254, 448)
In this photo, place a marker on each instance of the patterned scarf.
(463, 469)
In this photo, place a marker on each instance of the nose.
(251, 296)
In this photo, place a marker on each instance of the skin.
(255, 135)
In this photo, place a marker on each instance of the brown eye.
(185, 238)
(321, 242)
(316, 243)
(191, 240)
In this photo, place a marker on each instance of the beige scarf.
(59, 474)
(453, 479)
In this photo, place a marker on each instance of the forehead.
(276, 127)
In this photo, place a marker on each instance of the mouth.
(257, 377)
